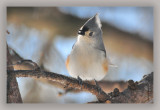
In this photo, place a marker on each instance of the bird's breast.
(87, 62)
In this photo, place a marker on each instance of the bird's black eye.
(91, 33)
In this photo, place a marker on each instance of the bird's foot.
(80, 81)
(98, 87)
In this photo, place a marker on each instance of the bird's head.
(91, 29)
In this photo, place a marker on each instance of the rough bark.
(13, 94)
(68, 82)
(137, 92)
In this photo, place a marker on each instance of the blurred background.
(45, 35)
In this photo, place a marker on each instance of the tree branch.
(13, 94)
(68, 82)
(139, 92)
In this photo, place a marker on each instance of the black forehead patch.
(83, 30)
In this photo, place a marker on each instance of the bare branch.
(68, 82)
(139, 92)
(13, 94)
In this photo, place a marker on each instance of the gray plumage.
(88, 56)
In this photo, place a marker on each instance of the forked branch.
(139, 92)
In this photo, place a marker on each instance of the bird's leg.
(80, 81)
(98, 87)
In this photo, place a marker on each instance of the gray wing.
(73, 45)
(102, 50)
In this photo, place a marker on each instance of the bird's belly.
(88, 65)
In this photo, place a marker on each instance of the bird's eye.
(91, 33)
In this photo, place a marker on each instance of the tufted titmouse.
(88, 59)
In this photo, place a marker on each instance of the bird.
(88, 59)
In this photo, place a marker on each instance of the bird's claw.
(98, 87)
(80, 81)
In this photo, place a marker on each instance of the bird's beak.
(81, 32)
